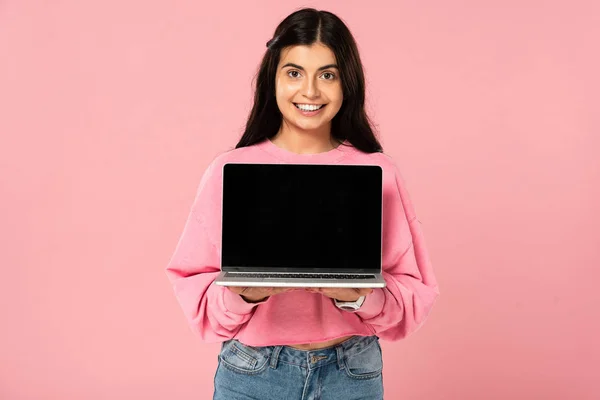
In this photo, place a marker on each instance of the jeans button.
(315, 359)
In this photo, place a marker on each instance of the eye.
(331, 76)
(293, 71)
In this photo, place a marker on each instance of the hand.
(342, 294)
(257, 294)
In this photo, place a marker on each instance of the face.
(308, 87)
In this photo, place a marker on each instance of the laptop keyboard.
(299, 275)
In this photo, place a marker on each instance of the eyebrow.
(302, 69)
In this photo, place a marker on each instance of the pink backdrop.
(111, 110)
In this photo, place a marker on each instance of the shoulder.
(208, 197)
(243, 154)
(394, 184)
(386, 162)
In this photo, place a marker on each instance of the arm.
(214, 312)
(403, 305)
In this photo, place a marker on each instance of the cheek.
(278, 91)
(284, 91)
(337, 97)
(336, 104)
(282, 97)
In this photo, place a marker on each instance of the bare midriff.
(320, 345)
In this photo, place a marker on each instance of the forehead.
(309, 57)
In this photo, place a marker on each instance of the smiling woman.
(315, 342)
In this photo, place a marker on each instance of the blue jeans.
(351, 370)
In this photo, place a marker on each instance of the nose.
(311, 89)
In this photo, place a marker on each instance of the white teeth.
(307, 107)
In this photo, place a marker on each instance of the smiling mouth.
(309, 109)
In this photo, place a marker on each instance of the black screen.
(291, 217)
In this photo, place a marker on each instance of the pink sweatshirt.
(295, 317)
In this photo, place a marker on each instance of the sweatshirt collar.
(328, 157)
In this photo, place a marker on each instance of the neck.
(304, 142)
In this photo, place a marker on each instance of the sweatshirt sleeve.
(403, 305)
(214, 312)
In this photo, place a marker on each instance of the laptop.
(301, 225)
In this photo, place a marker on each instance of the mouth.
(309, 109)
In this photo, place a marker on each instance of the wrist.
(253, 301)
(350, 300)
(373, 305)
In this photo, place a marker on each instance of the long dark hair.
(305, 27)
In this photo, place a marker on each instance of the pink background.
(111, 110)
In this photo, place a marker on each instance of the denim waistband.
(312, 359)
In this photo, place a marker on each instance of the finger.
(330, 291)
(237, 289)
(246, 290)
(281, 290)
(362, 290)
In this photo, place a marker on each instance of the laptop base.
(246, 280)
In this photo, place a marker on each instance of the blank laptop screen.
(290, 217)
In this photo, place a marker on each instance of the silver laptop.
(301, 225)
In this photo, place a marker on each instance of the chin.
(310, 127)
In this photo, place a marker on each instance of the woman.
(281, 343)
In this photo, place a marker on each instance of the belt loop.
(340, 356)
(275, 356)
